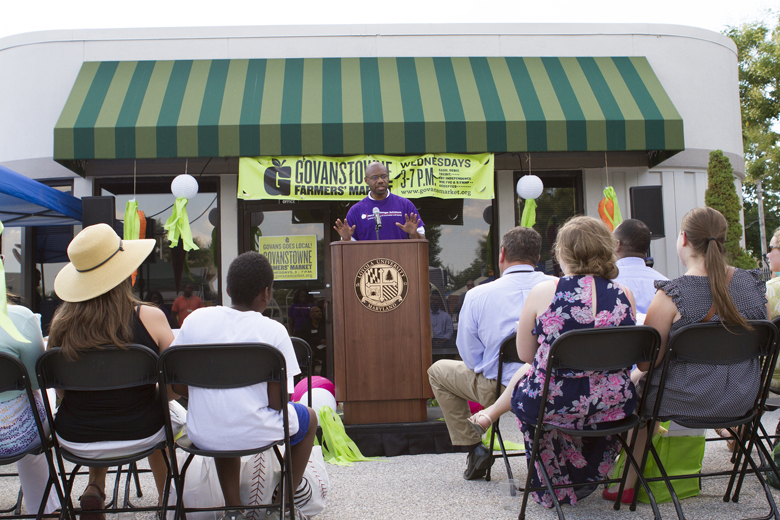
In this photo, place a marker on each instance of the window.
(461, 244)
(167, 272)
(560, 200)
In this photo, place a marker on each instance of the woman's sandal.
(92, 500)
(474, 422)
(725, 434)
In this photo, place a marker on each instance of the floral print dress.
(576, 399)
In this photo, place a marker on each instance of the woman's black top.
(113, 415)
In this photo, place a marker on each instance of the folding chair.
(303, 355)
(771, 403)
(506, 354)
(13, 376)
(222, 366)
(600, 350)
(714, 344)
(100, 370)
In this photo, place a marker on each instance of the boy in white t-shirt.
(243, 418)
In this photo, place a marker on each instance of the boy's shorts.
(302, 411)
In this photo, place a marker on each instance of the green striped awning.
(345, 106)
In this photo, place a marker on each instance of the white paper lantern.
(184, 186)
(319, 397)
(529, 187)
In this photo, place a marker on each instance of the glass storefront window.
(461, 246)
(560, 200)
(292, 289)
(168, 271)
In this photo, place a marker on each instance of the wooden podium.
(381, 330)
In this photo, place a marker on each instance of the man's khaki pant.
(454, 385)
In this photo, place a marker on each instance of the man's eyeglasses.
(375, 178)
(770, 247)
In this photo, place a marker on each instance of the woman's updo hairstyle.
(585, 246)
(705, 230)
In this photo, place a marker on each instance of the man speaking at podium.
(381, 215)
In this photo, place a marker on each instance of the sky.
(20, 16)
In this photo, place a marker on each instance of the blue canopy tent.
(26, 202)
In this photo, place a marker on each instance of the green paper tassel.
(508, 446)
(337, 447)
(132, 221)
(178, 225)
(617, 218)
(5, 321)
(529, 214)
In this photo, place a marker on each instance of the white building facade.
(695, 68)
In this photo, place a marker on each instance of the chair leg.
(180, 513)
(503, 453)
(736, 459)
(668, 482)
(138, 491)
(764, 453)
(640, 476)
(166, 489)
(126, 502)
(773, 507)
(67, 491)
(543, 473)
(18, 505)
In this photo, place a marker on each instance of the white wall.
(682, 191)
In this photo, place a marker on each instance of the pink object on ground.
(316, 382)
(323, 382)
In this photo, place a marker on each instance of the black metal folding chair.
(771, 403)
(221, 366)
(14, 377)
(507, 354)
(100, 370)
(714, 344)
(598, 350)
(303, 355)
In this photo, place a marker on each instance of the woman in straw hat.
(100, 309)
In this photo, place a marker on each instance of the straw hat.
(99, 261)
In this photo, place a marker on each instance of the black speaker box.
(98, 210)
(647, 206)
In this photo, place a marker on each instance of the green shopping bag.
(680, 456)
(771, 479)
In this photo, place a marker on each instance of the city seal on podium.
(381, 285)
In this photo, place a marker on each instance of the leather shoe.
(478, 462)
(626, 498)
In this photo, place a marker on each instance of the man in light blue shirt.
(489, 315)
(633, 243)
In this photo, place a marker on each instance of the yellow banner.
(446, 176)
(293, 257)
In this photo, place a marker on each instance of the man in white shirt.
(243, 418)
(633, 243)
(489, 315)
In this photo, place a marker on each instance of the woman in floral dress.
(584, 298)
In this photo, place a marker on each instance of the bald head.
(378, 180)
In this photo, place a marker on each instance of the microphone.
(377, 218)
